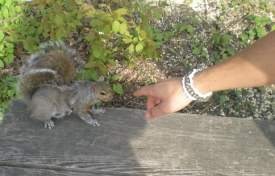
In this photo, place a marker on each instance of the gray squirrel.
(48, 88)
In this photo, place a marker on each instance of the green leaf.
(116, 78)
(9, 48)
(18, 9)
(5, 12)
(117, 88)
(60, 34)
(58, 20)
(30, 44)
(251, 17)
(139, 47)
(190, 29)
(157, 13)
(1, 47)
(2, 65)
(127, 39)
(107, 29)
(9, 59)
(131, 49)
(135, 39)
(98, 50)
(2, 35)
(123, 29)
(87, 74)
(225, 39)
(8, 3)
(244, 37)
(260, 32)
(141, 33)
(230, 51)
(196, 51)
(116, 26)
(121, 11)
(185, 28)
(223, 99)
(102, 68)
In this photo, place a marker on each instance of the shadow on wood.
(72, 147)
(267, 127)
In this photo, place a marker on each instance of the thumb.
(157, 111)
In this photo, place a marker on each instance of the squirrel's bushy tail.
(52, 65)
(34, 79)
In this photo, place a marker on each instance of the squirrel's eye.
(102, 93)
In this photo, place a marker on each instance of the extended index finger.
(144, 91)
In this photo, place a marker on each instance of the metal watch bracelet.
(192, 92)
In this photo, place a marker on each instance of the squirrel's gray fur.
(48, 88)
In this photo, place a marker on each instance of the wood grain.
(126, 144)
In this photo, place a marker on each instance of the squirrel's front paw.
(97, 110)
(49, 124)
(93, 122)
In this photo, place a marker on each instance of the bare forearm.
(252, 67)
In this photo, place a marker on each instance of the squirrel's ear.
(93, 87)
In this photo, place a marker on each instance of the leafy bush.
(7, 91)
(113, 29)
(121, 33)
(259, 27)
(9, 12)
(46, 20)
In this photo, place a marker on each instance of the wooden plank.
(19, 171)
(126, 144)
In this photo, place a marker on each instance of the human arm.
(252, 67)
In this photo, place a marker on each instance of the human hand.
(164, 97)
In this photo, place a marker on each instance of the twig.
(206, 9)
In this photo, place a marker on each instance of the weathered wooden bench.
(126, 144)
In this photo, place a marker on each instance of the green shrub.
(7, 91)
(113, 29)
(258, 27)
(46, 20)
(9, 14)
